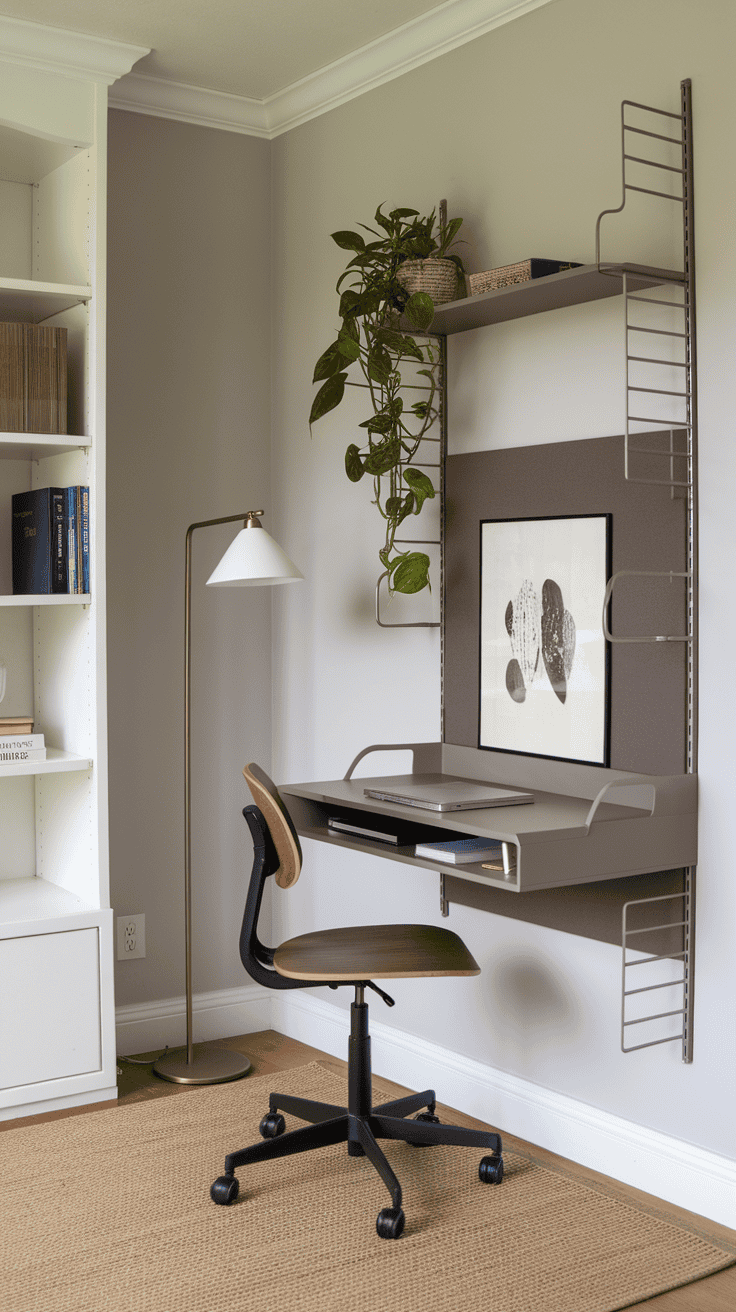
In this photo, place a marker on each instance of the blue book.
(39, 541)
(70, 519)
(84, 537)
(459, 851)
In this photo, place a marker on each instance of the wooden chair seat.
(374, 952)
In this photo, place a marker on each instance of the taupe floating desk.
(559, 840)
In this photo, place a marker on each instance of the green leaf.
(353, 464)
(380, 423)
(398, 508)
(350, 329)
(411, 574)
(420, 409)
(379, 366)
(420, 486)
(381, 220)
(403, 214)
(348, 348)
(328, 364)
(329, 395)
(419, 310)
(383, 457)
(349, 241)
(349, 302)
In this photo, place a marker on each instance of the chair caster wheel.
(429, 1119)
(390, 1223)
(225, 1190)
(490, 1170)
(272, 1125)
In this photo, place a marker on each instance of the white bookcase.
(57, 1033)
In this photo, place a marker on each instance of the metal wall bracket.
(643, 573)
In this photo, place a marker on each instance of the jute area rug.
(110, 1212)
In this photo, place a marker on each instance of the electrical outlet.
(131, 936)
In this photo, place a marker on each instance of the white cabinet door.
(49, 1007)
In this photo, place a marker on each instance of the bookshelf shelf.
(24, 300)
(36, 446)
(46, 599)
(57, 762)
(24, 901)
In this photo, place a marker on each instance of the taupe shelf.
(559, 840)
(571, 287)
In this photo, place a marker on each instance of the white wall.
(188, 440)
(520, 131)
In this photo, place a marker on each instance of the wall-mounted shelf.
(22, 300)
(571, 287)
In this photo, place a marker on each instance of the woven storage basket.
(438, 278)
(492, 279)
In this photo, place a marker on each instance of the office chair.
(337, 957)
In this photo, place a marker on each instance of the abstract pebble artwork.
(544, 686)
(539, 627)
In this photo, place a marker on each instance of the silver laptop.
(450, 795)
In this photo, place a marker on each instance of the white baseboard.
(681, 1173)
(141, 1028)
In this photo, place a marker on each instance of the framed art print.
(544, 663)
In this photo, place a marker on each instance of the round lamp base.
(212, 1066)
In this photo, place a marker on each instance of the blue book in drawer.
(39, 541)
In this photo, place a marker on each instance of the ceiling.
(263, 65)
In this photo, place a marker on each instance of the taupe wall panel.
(648, 532)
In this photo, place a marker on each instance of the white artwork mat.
(543, 660)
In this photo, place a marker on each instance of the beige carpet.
(110, 1212)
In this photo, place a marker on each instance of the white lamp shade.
(253, 558)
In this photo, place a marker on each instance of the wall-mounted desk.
(627, 825)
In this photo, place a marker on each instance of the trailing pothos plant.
(379, 319)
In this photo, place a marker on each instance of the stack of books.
(461, 851)
(51, 540)
(18, 744)
(33, 378)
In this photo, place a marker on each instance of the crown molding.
(73, 54)
(141, 94)
(443, 29)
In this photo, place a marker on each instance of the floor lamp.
(253, 558)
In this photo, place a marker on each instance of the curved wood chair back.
(284, 835)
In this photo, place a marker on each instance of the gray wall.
(188, 439)
(520, 131)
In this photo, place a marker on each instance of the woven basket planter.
(438, 278)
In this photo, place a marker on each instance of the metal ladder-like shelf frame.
(677, 419)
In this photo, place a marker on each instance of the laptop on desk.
(449, 795)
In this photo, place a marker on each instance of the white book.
(34, 754)
(459, 851)
(26, 742)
